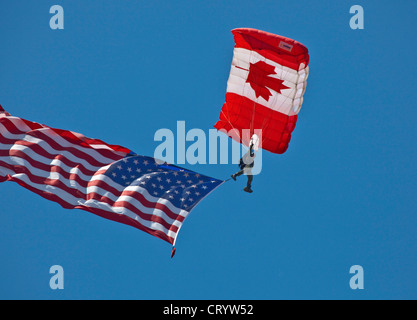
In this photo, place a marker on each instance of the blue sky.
(343, 194)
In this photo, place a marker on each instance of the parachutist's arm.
(251, 152)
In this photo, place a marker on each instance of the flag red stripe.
(72, 137)
(126, 220)
(77, 153)
(91, 159)
(85, 142)
(140, 198)
(40, 151)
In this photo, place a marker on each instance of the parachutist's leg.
(237, 174)
(250, 178)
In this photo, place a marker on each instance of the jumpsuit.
(246, 164)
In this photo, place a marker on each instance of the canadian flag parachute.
(267, 81)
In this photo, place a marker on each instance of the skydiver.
(246, 164)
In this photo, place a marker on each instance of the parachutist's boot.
(247, 189)
(233, 177)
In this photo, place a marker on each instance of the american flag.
(107, 180)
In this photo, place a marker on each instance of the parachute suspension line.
(231, 125)
(227, 118)
(252, 122)
(266, 122)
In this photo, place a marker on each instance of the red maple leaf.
(259, 80)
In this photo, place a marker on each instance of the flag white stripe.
(70, 183)
(135, 203)
(19, 124)
(48, 149)
(56, 138)
(140, 190)
(120, 210)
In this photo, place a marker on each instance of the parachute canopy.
(265, 89)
